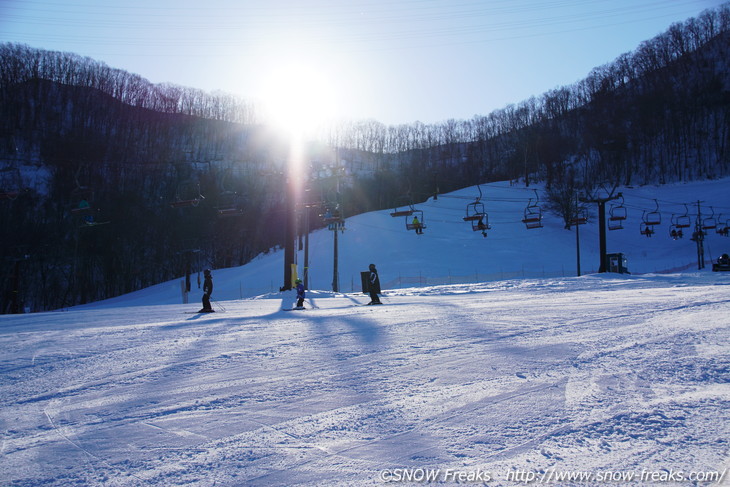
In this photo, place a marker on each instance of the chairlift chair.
(675, 232)
(187, 194)
(481, 225)
(646, 229)
(724, 230)
(678, 224)
(229, 204)
(683, 221)
(709, 223)
(477, 216)
(397, 212)
(615, 224)
(332, 217)
(416, 214)
(722, 227)
(82, 198)
(616, 216)
(532, 215)
(474, 211)
(653, 218)
(82, 207)
(580, 218)
(403, 207)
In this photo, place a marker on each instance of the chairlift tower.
(289, 231)
(601, 202)
(699, 237)
(335, 264)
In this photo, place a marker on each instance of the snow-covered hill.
(450, 252)
(621, 380)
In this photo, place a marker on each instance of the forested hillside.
(109, 183)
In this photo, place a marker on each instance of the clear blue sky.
(395, 61)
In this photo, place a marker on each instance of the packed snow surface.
(593, 380)
(524, 377)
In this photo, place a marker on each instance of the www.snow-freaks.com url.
(552, 476)
(557, 476)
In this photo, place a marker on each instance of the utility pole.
(577, 239)
(601, 202)
(336, 273)
(306, 246)
(335, 270)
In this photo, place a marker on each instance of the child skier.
(300, 294)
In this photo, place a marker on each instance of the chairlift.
(86, 215)
(653, 218)
(476, 215)
(678, 224)
(647, 230)
(333, 217)
(533, 214)
(615, 224)
(474, 211)
(683, 221)
(709, 223)
(81, 199)
(83, 206)
(92, 222)
(416, 223)
(646, 227)
(187, 194)
(479, 221)
(229, 204)
(724, 228)
(402, 211)
(616, 215)
(580, 218)
(675, 232)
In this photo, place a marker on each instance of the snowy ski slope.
(592, 380)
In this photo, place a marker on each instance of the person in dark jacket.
(207, 291)
(374, 285)
(300, 293)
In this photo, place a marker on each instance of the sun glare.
(298, 98)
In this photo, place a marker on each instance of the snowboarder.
(374, 285)
(207, 291)
(300, 294)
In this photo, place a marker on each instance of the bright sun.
(298, 98)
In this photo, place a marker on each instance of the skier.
(417, 225)
(207, 291)
(300, 294)
(374, 285)
(482, 226)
